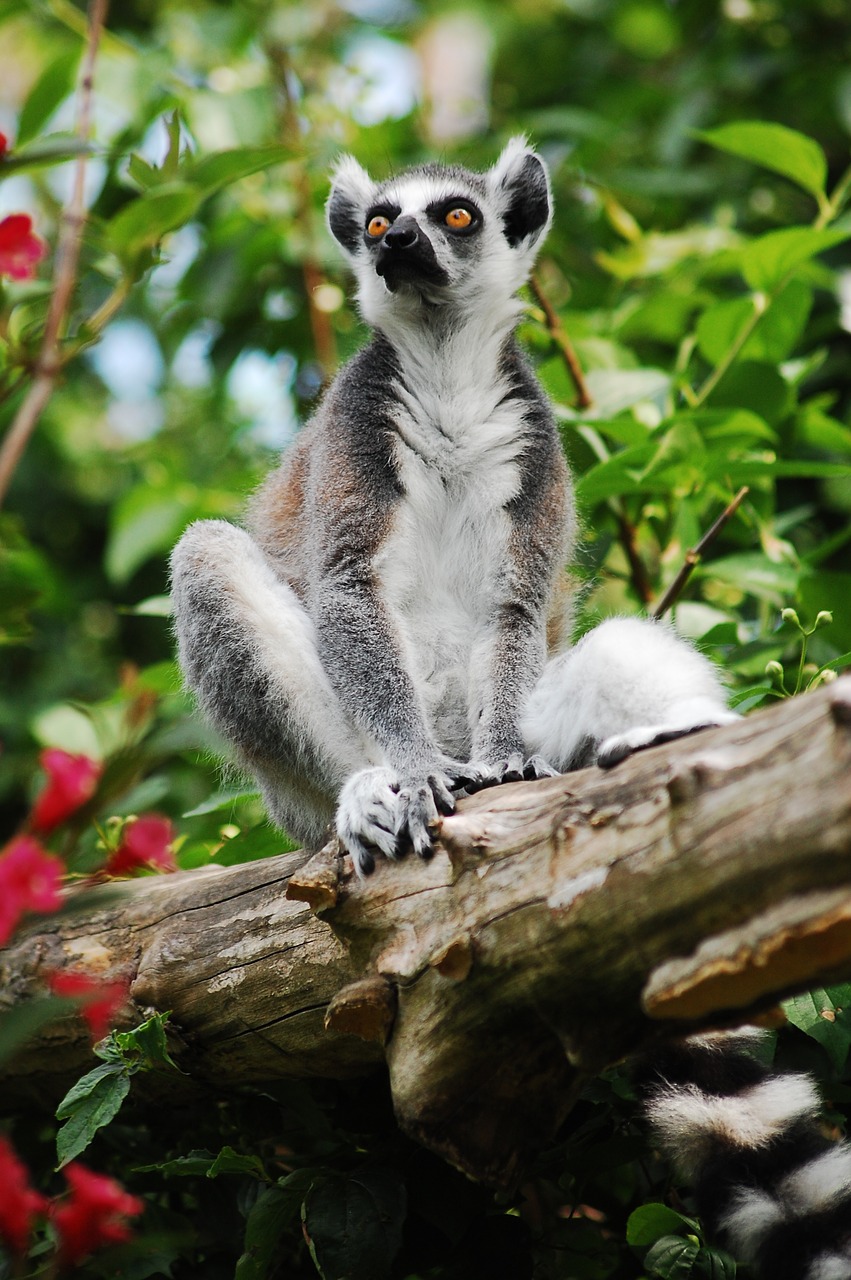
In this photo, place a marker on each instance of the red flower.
(146, 842)
(20, 248)
(19, 1204)
(4, 145)
(91, 1216)
(71, 781)
(29, 881)
(101, 1000)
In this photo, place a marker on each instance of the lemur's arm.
(513, 656)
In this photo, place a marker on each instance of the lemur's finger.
(538, 767)
(422, 818)
(512, 768)
(361, 856)
(443, 797)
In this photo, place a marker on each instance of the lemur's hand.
(384, 811)
(518, 768)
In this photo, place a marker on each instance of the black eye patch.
(389, 211)
(440, 212)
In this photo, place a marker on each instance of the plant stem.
(692, 557)
(559, 336)
(50, 359)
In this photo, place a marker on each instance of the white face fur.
(441, 239)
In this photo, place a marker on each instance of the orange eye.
(377, 226)
(458, 219)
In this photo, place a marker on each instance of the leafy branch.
(50, 359)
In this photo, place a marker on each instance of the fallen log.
(560, 925)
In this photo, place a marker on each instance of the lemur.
(392, 627)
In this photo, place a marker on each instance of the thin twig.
(49, 363)
(322, 330)
(629, 541)
(692, 557)
(556, 330)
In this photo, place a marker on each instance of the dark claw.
(608, 759)
(365, 861)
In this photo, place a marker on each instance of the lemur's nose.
(404, 234)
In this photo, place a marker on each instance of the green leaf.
(51, 88)
(650, 1222)
(90, 1104)
(720, 325)
(143, 222)
(261, 841)
(775, 147)
(753, 573)
(823, 1015)
(757, 386)
(714, 1264)
(55, 149)
(354, 1223)
(274, 1213)
(146, 1044)
(672, 1258)
(614, 390)
(221, 800)
(224, 167)
(230, 1161)
(766, 262)
(144, 522)
(194, 1165)
(776, 333)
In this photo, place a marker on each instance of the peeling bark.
(561, 925)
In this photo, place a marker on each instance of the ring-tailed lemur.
(391, 628)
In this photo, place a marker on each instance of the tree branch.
(49, 362)
(692, 557)
(561, 925)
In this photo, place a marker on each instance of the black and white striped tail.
(770, 1187)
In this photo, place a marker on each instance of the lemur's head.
(440, 234)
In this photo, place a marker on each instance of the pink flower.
(4, 145)
(91, 1216)
(71, 781)
(146, 842)
(101, 1000)
(20, 248)
(19, 1204)
(29, 881)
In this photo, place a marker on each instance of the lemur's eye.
(458, 219)
(377, 226)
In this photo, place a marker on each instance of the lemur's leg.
(247, 649)
(628, 684)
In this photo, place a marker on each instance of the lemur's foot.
(518, 768)
(615, 749)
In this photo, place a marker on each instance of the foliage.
(699, 155)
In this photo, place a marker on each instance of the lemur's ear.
(351, 193)
(521, 185)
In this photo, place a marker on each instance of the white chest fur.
(440, 567)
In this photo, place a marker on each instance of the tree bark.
(560, 925)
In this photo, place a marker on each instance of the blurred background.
(212, 307)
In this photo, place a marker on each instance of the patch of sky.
(384, 13)
(130, 364)
(191, 365)
(260, 388)
(379, 79)
(179, 251)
